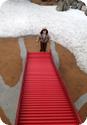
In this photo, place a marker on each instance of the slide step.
(43, 99)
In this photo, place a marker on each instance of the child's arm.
(48, 38)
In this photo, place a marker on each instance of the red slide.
(44, 101)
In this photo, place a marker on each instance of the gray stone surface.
(81, 101)
(62, 5)
(22, 47)
(77, 5)
(84, 8)
(86, 12)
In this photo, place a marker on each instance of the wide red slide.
(44, 101)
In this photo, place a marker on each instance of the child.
(44, 39)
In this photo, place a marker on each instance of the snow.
(2, 2)
(85, 122)
(18, 18)
(1, 122)
(85, 1)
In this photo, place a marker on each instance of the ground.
(48, 2)
(75, 79)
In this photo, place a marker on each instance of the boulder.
(74, 4)
(84, 8)
(86, 12)
(62, 5)
(77, 4)
(80, 4)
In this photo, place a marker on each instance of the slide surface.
(43, 99)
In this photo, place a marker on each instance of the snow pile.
(85, 1)
(85, 123)
(2, 2)
(1, 122)
(68, 28)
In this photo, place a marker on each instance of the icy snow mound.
(68, 28)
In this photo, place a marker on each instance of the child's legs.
(41, 46)
(45, 46)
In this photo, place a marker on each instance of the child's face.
(44, 32)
